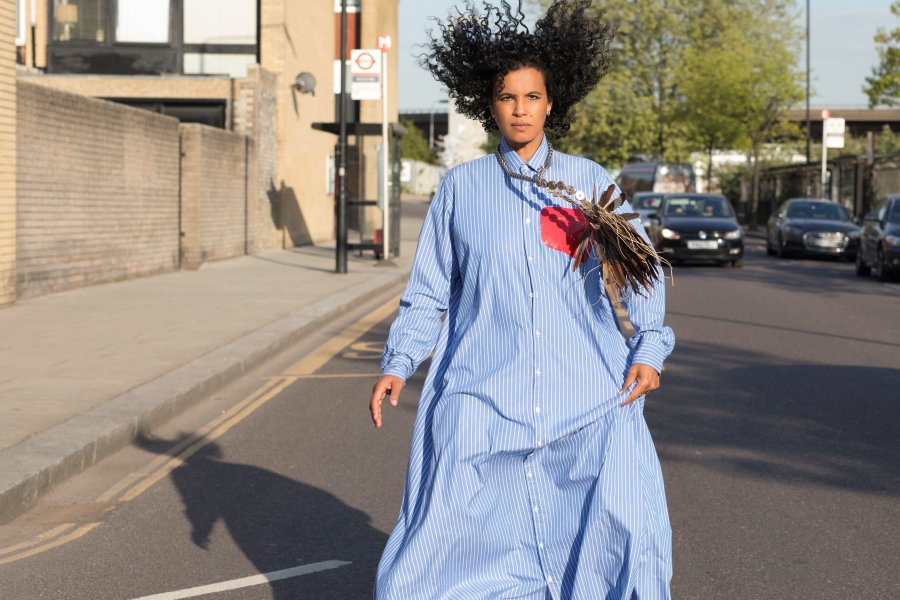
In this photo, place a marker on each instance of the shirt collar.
(517, 164)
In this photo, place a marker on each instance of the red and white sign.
(384, 42)
(826, 114)
(833, 132)
(365, 74)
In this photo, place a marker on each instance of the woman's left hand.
(647, 381)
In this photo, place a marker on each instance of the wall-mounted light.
(305, 83)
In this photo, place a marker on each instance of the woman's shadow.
(278, 523)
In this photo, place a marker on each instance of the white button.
(537, 409)
(534, 508)
(528, 221)
(530, 474)
(540, 443)
(537, 372)
(549, 578)
(530, 294)
(530, 259)
(537, 332)
(540, 545)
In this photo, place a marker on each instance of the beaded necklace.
(556, 188)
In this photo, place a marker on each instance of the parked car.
(812, 226)
(658, 177)
(645, 204)
(697, 227)
(879, 243)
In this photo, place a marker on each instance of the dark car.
(646, 204)
(813, 227)
(697, 227)
(879, 243)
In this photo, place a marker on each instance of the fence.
(856, 182)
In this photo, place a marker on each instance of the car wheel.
(862, 269)
(737, 264)
(884, 273)
(782, 251)
(769, 249)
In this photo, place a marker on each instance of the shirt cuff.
(398, 365)
(651, 354)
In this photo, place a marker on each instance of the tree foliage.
(883, 87)
(690, 75)
(415, 146)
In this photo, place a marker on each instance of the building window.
(208, 63)
(142, 21)
(82, 21)
(220, 22)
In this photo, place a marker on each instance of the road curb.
(30, 469)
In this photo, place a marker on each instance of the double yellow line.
(134, 484)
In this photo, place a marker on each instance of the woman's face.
(520, 107)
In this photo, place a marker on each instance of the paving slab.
(83, 372)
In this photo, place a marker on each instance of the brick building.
(230, 162)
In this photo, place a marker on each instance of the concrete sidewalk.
(82, 372)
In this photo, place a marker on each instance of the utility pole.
(808, 122)
(341, 208)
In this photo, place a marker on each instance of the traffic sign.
(834, 132)
(826, 114)
(365, 74)
(384, 42)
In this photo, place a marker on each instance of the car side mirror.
(652, 217)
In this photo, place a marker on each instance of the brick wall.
(97, 187)
(214, 191)
(255, 115)
(7, 153)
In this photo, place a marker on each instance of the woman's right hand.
(386, 384)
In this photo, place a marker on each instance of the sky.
(842, 50)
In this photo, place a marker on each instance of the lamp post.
(341, 207)
(808, 122)
(431, 122)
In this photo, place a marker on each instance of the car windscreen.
(894, 216)
(694, 206)
(647, 201)
(825, 211)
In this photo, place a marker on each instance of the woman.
(532, 474)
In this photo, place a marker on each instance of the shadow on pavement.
(278, 523)
(803, 424)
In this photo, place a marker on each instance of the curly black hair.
(471, 52)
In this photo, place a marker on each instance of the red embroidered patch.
(562, 228)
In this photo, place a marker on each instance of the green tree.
(689, 75)
(883, 87)
(415, 146)
(772, 78)
(716, 90)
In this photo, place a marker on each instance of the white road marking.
(247, 581)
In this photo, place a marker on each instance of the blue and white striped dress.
(526, 478)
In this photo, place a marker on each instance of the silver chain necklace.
(535, 179)
(556, 188)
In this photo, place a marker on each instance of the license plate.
(825, 243)
(702, 244)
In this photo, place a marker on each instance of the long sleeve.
(652, 341)
(415, 331)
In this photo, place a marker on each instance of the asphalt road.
(778, 427)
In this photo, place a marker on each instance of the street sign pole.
(341, 216)
(825, 116)
(384, 43)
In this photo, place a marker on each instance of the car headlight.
(669, 234)
(892, 240)
(733, 235)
